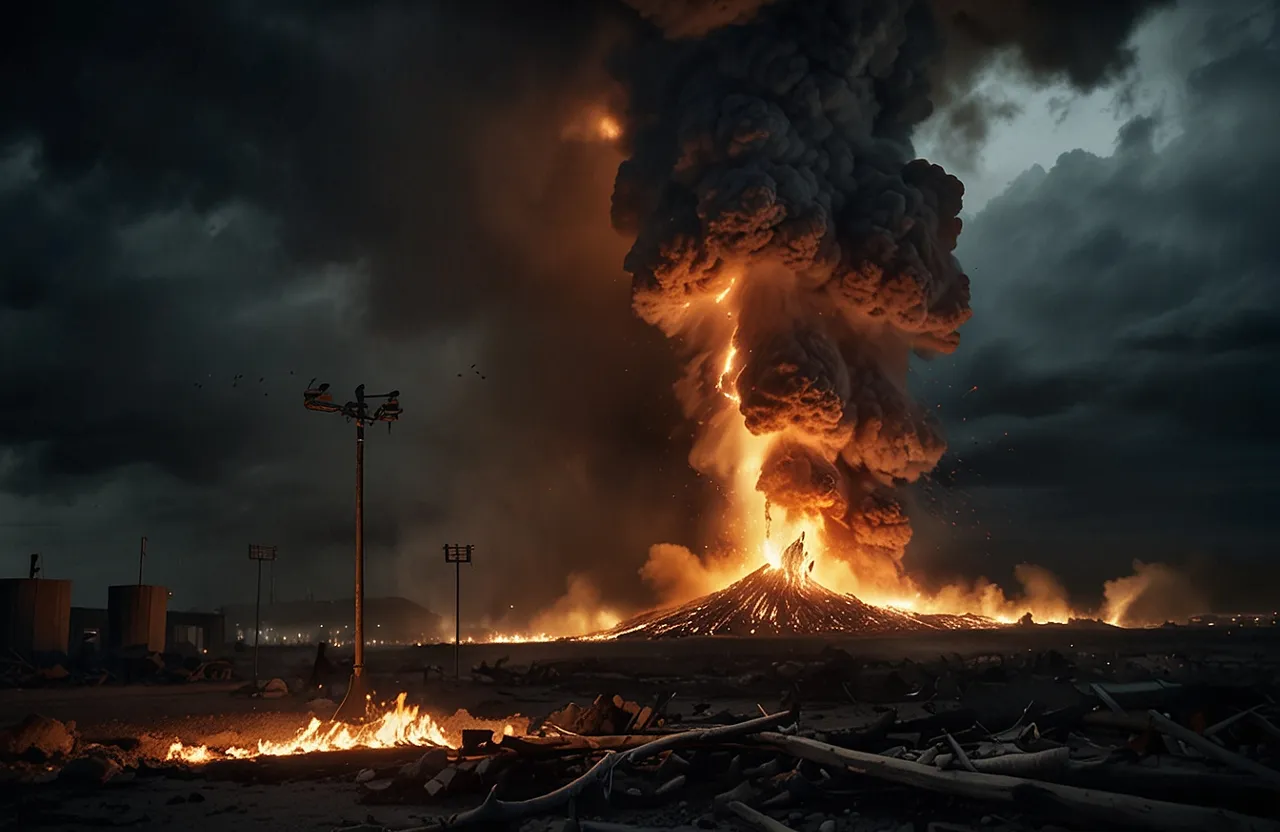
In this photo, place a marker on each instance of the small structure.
(35, 615)
(199, 632)
(136, 617)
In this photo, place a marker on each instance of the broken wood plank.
(494, 812)
(1212, 750)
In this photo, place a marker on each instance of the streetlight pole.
(354, 706)
(357, 668)
(259, 553)
(457, 554)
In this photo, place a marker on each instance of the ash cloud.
(770, 159)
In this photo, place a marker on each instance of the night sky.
(204, 206)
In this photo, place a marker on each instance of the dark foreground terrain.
(1001, 697)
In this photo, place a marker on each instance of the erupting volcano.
(788, 241)
(783, 600)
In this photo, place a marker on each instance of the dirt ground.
(192, 713)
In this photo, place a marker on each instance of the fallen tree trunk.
(1105, 807)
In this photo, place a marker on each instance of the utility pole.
(259, 553)
(457, 554)
(142, 556)
(354, 705)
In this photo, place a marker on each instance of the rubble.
(123, 667)
(38, 739)
(1017, 741)
(1013, 741)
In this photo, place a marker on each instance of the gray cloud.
(1126, 323)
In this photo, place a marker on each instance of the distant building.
(386, 621)
(202, 633)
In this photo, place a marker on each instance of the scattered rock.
(827, 826)
(93, 770)
(38, 738)
(366, 775)
(275, 689)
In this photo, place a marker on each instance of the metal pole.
(271, 592)
(257, 624)
(457, 620)
(358, 666)
(142, 555)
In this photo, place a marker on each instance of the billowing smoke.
(782, 222)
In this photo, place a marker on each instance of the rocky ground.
(1003, 698)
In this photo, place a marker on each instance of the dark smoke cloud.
(773, 154)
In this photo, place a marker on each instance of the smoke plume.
(780, 218)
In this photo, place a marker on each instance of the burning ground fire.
(401, 725)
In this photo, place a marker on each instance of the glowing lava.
(784, 599)
(403, 725)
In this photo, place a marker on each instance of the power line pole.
(457, 554)
(142, 556)
(259, 553)
(354, 705)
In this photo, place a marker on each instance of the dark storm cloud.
(201, 196)
(1131, 323)
(1084, 43)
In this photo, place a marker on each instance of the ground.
(729, 675)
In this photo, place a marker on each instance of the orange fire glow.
(593, 124)
(607, 127)
(729, 451)
(402, 725)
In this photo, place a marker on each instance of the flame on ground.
(403, 725)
